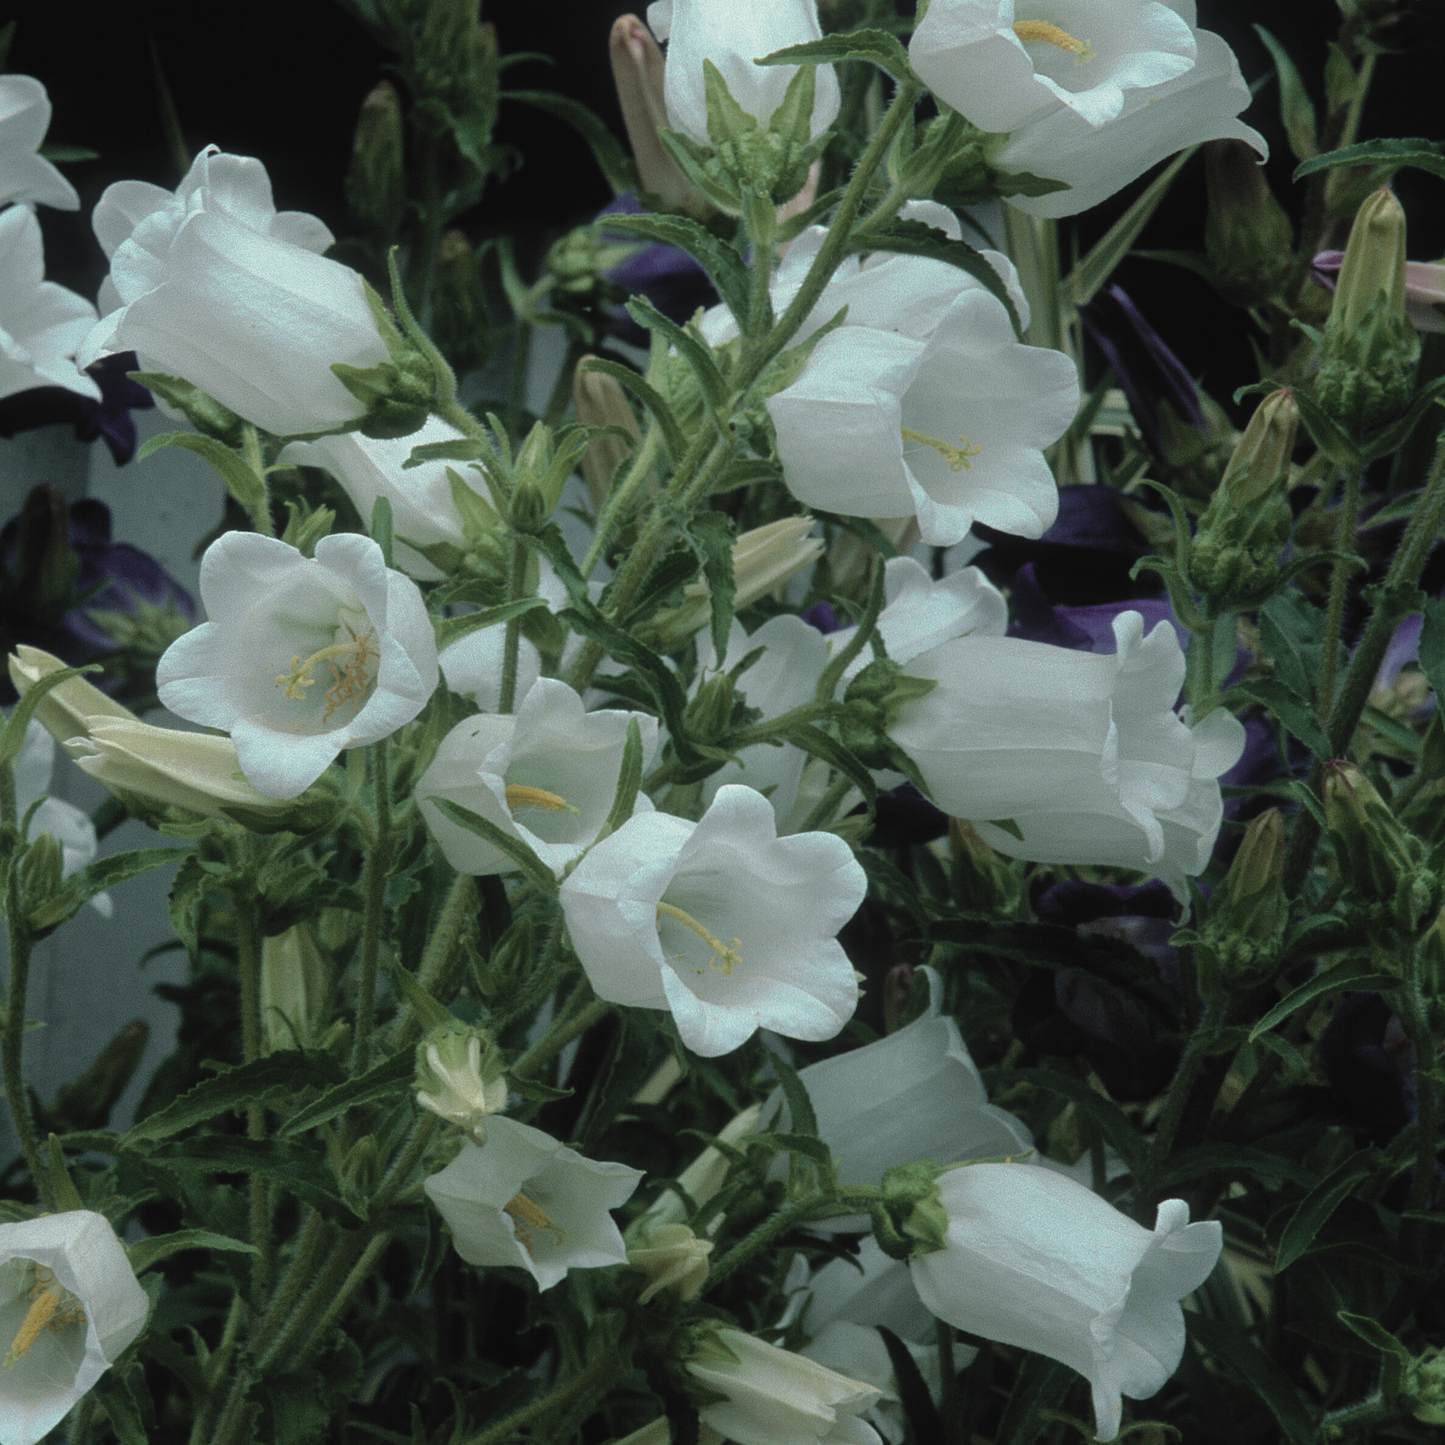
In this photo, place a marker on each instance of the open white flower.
(1202, 104)
(774, 1397)
(1002, 63)
(422, 509)
(547, 776)
(727, 925)
(26, 176)
(1082, 751)
(211, 283)
(41, 324)
(69, 1305)
(301, 656)
(733, 35)
(951, 429)
(523, 1199)
(1033, 1259)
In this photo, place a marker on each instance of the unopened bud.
(41, 870)
(459, 1077)
(701, 1179)
(599, 400)
(1425, 1380)
(461, 318)
(293, 989)
(1247, 235)
(674, 1259)
(1369, 349)
(375, 179)
(44, 564)
(360, 1173)
(1248, 912)
(710, 712)
(909, 1218)
(982, 881)
(86, 1103)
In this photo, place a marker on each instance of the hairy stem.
(12, 1043)
(374, 876)
(1339, 585)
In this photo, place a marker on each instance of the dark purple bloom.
(1149, 372)
(822, 616)
(905, 817)
(110, 417)
(1090, 628)
(667, 276)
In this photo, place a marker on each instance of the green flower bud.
(1370, 347)
(1425, 1380)
(1249, 911)
(1235, 558)
(674, 1259)
(293, 990)
(40, 872)
(375, 179)
(359, 1174)
(86, 1103)
(459, 1076)
(982, 881)
(461, 318)
(1247, 235)
(709, 714)
(910, 1218)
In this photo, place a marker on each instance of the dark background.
(283, 81)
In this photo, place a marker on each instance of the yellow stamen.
(957, 457)
(528, 1212)
(351, 679)
(520, 795)
(1028, 30)
(725, 954)
(43, 1306)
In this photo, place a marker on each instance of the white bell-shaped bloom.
(301, 656)
(523, 1199)
(721, 921)
(1035, 1260)
(69, 1306)
(1202, 104)
(733, 34)
(784, 677)
(950, 430)
(1003, 63)
(422, 510)
(42, 325)
(25, 175)
(1082, 751)
(547, 776)
(913, 1094)
(774, 1397)
(211, 283)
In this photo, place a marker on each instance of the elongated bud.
(1247, 235)
(674, 1259)
(1234, 560)
(1248, 913)
(44, 564)
(375, 179)
(710, 712)
(293, 989)
(86, 1103)
(461, 318)
(40, 872)
(637, 66)
(1369, 349)
(459, 1077)
(599, 400)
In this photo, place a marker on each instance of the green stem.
(573, 1024)
(311, 1248)
(443, 959)
(1195, 1054)
(601, 1373)
(12, 1043)
(765, 1233)
(822, 814)
(1411, 1001)
(399, 1175)
(84, 1417)
(512, 643)
(260, 512)
(358, 1275)
(248, 959)
(322, 1291)
(622, 495)
(1339, 584)
(1339, 1424)
(378, 867)
(215, 1366)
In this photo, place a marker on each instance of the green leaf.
(1292, 629)
(1291, 709)
(721, 262)
(711, 534)
(629, 781)
(12, 738)
(1039, 1387)
(1356, 974)
(612, 159)
(279, 1075)
(1111, 1120)
(457, 449)
(449, 629)
(876, 46)
(302, 1171)
(67, 1196)
(1296, 109)
(1432, 646)
(1320, 1203)
(801, 1118)
(913, 1392)
(643, 390)
(1326, 433)
(381, 527)
(514, 848)
(242, 483)
(1425, 155)
(1395, 1357)
(825, 746)
(148, 1252)
(121, 1410)
(1234, 1348)
(915, 238)
(381, 1081)
(95, 878)
(64, 155)
(693, 350)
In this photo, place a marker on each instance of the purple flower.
(110, 417)
(1089, 628)
(667, 276)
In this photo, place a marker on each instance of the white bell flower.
(774, 1397)
(41, 324)
(913, 1094)
(422, 509)
(523, 1199)
(733, 34)
(859, 1351)
(547, 776)
(301, 656)
(783, 678)
(721, 921)
(951, 429)
(69, 1306)
(1082, 751)
(1002, 63)
(25, 175)
(1202, 104)
(1035, 1260)
(211, 283)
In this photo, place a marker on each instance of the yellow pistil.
(46, 1312)
(725, 955)
(520, 795)
(1028, 30)
(527, 1212)
(957, 457)
(351, 678)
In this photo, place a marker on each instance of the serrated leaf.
(721, 262)
(242, 483)
(381, 1081)
(12, 737)
(121, 1410)
(381, 527)
(1425, 155)
(1235, 1349)
(147, 1252)
(643, 390)
(613, 161)
(801, 1118)
(1395, 1358)
(1291, 630)
(96, 877)
(1431, 651)
(302, 1171)
(1296, 109)
(815, 741)
(1295, 712)
(711, 534)
(693, 350)
(1326, 433)
(876, 46)
(629, 781)
(449, 629)
(514, 848)
(1350, 973)
(1319, 1204)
